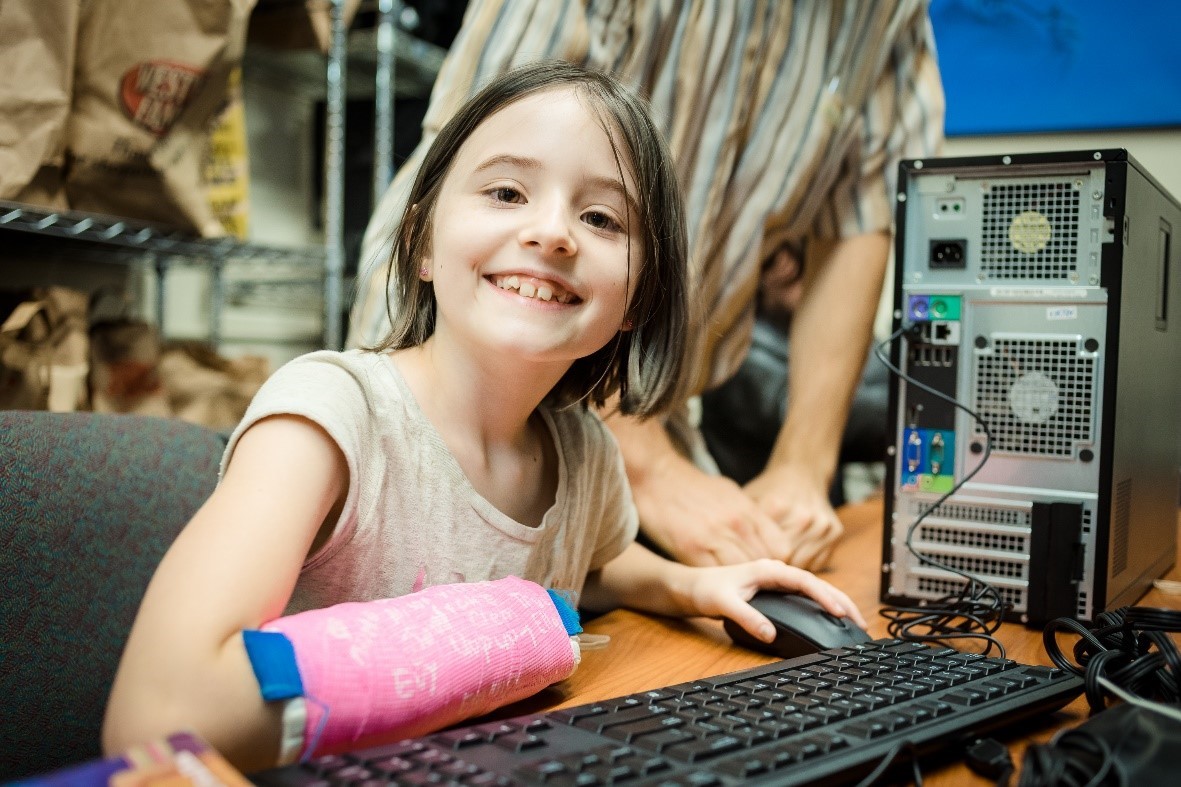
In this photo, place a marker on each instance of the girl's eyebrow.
(524, 162)
(513, 161)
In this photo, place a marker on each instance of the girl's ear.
(408, 229)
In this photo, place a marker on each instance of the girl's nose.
(548, 229)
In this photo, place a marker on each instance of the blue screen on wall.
(1058, 65)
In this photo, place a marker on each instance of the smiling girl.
(408, 505)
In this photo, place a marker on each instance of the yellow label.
(1030, 232)
(226, 165)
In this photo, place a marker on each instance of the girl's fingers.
(754, 622)
(833, 600)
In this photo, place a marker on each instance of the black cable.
(1126, 646)
(974, 612)
(1075, 759)
(888, 760)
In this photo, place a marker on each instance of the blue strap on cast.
(272, 656)
(566, 611)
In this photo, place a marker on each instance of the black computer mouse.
(802, 626)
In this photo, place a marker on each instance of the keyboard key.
(571, 715)
(965, 697)
(659, 741)
(458, 739)
(415, 778)
(520, 741)
(541, 770)
(745, 768)
(696, 751)
(849, 707)
(598, 723)
(693, 779)
(868, 728)
(487, 779)
(393, 766)
(630, 731)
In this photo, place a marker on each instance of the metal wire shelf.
(144, 237)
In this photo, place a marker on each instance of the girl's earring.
(627, 325)
(424, 273)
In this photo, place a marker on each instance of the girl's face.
(530, 249)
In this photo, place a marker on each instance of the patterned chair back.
(88, 505)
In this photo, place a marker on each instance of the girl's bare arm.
(233, 567)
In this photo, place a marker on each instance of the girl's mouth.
(530, 287)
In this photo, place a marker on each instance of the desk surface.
(648, 652)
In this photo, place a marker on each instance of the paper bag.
(124, 369)
(150, 78)
(208, 389)
(43, 352)
(36, 77)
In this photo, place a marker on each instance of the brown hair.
(643, 364)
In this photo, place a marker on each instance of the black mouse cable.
(975, 612)
(888, 759)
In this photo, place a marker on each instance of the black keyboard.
(827, 718)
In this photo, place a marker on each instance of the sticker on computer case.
(1062, 313)
(1029, 232)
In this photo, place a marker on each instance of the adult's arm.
(784, 513)
(696, 518)
(831, 329)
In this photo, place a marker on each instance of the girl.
(540, 267)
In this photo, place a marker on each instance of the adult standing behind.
(786, 121)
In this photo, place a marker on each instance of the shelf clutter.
(124, 141)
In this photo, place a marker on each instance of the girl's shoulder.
(346, 359)
(362, 365)
(361, 377)
(580, 430)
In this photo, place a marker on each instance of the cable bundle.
(1127, 648)
(973, 613)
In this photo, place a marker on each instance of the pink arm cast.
(410, 665)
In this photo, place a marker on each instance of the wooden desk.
(648, 652)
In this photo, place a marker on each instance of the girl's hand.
(723, 591)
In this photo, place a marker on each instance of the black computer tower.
(1042, 292)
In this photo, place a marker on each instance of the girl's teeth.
(529, 290)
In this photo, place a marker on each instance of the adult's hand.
(701, 519)
(796, 499)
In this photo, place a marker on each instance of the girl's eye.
(601, 221)
(505, 194)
